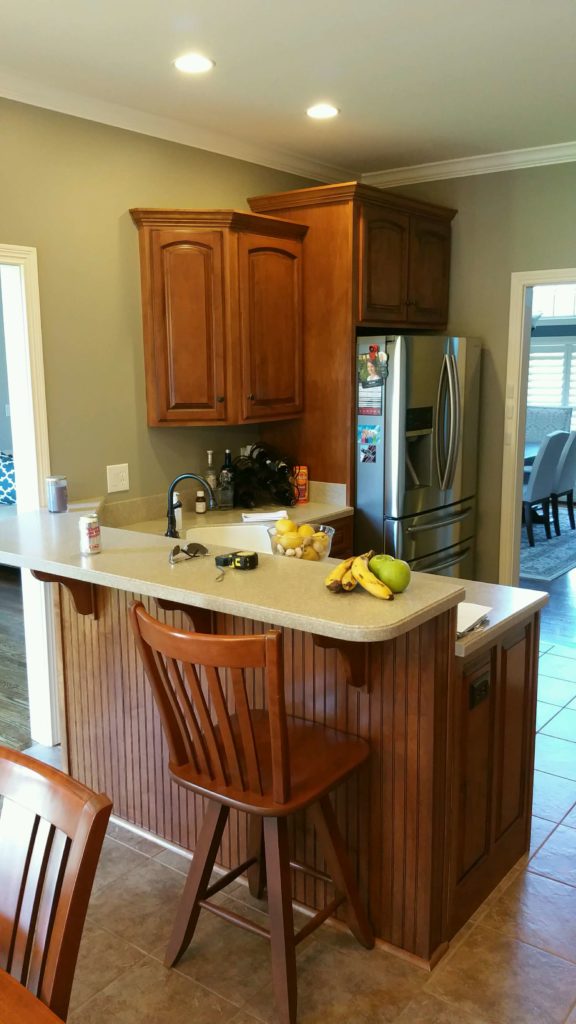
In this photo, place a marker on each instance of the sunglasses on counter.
(180, 552)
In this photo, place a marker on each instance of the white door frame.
(515, 415)
(26, 388)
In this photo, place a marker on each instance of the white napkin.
(264, 517)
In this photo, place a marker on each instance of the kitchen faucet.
(172, 531)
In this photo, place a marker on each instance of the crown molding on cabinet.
(23, 90)
(489, 163)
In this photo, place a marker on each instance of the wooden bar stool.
(262, 762)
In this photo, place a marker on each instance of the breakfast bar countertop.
(282, 592)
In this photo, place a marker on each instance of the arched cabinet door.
(270, 301)
(186, 346)
(429, 278)
(384, 249)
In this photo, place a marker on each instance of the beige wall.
(66, 186)
(506, 222)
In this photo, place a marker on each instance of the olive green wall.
(66, 186)
(506, 222)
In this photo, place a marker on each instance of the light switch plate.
(118, 477)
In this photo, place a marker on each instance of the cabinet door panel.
(513, 709)
(270, 327)
(429, 277)
(383, 265)
(475, 739)
(187, 303)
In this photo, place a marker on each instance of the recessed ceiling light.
(322, 111)
(193, 63)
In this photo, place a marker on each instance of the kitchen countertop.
(508, 605)
(282, 591)
(316, 511)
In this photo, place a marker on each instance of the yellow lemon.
(305, 530)
(285, 526)
(322, 538)
(291, 540)
(309, 555)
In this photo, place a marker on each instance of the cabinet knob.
(251, 397)
(220, 398)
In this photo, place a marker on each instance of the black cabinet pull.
(251, 397)
(220, 398)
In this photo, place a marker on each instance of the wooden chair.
(51, 833)
(262, 762)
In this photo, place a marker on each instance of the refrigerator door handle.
(453, 560)
(441, 454)
(438, 523)
(455, 422)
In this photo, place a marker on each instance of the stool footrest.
(229, 877)
(318, 919)
(306, 870)
(229, 915)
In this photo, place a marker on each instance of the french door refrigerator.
(416, 444)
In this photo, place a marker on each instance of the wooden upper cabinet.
(404, 267)
(222, 316)
(270, 288)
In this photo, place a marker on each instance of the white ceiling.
(417, 81)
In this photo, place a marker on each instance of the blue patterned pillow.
(7, 479)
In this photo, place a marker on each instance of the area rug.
(548, 559)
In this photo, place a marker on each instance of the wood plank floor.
(14, 712)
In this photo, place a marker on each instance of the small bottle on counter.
(177, 506)
(90, 540)
(200, 505)
(57, 493)
(302, 484)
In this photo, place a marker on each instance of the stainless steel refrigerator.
(416, 445)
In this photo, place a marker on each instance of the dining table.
(19, 1006)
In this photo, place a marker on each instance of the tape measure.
(238, 560)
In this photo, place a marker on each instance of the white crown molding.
(24, 90)
(490, 163)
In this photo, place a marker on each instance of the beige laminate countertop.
(509, 605)
(312, 511)
(281, 591)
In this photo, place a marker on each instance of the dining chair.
(263, 762)
(538, 490)
(565, 482)
(51, 834)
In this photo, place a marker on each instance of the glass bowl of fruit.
(307, 541)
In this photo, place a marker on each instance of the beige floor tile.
(244, 1018)
(140, 906)
(540, 911)
(570, 819)
(553, 797)
(102, 958)
(429, 1009)
(562, 725)
(557, 757)
(505, 981)
(371, 988)
(149, 994)
(557, 666)
(541, 829)
(544, 713)
(177, 861)
(557, 857)
(132, 839)
(116, 860)
(555, 691)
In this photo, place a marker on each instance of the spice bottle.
(200, 505)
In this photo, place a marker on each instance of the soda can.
(57, 493)
(90, 543)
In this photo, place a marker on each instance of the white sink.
(236, 536)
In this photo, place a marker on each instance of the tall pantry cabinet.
(372, 259)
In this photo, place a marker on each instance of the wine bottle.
(226, 482)
(210, 473)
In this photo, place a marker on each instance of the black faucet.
(172, 531)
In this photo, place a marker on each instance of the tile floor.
(513, 963)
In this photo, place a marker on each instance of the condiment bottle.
(200, 505)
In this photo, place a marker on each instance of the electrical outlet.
(118, 478)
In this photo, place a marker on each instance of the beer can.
(57, 493)
(89, 534)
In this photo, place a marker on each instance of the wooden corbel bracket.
(83, 594)
(354, 657)
(202, 619)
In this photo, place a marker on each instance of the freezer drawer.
(415, 537)
(457, 560)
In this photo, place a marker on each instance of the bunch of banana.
(341, 577)
(368, 580)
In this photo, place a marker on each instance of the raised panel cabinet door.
(186, 372)
(429, 276)
(475, 755)
(384, 247)
(270, 297)
(514, 754)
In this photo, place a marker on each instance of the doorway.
(25, 371)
